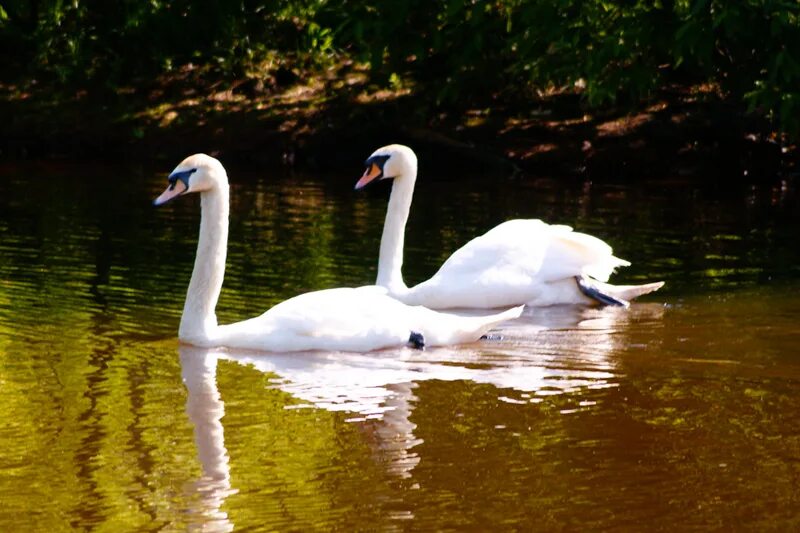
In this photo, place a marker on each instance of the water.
(682, 411)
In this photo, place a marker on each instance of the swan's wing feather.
(514, 260)
(533, 248)
(357, 319)
(572, 253)
(333, 319)
(491, 270)
(512, 244)
(342, 312)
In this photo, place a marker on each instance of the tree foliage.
(451, 51)
(749, 49)
(124, 41)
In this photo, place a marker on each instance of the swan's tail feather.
(629, 292)
(508, 314)
(602, 269)
(608, 294)
(580, 252)
(454, 329)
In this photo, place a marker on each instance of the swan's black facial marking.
(183, 176)
(379, 161)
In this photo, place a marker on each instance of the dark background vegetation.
(570, 85)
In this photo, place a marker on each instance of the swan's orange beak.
(174, 189)
(372, 172)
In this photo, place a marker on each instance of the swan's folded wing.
(338, 313)
(510, 246)
(571, 253)
(533, 248)
(489, 271)
(515, 260)
(334, 319)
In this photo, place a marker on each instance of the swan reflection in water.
(547, 351)
(205, 410)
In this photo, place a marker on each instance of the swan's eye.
(377, 160)
(183, 176)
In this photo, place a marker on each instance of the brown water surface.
(680, 412)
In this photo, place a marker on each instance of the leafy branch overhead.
(450, 52)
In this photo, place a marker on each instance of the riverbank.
(331, 121)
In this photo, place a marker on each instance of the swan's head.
(196, 173)
(390, 162)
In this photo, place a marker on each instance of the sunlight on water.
(680, 410)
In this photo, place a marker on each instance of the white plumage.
(517, 262)
(346, 319)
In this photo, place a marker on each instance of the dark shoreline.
(678, 133)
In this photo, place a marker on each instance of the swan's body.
(518, 262)
(360, 319)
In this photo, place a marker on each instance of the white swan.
(518, 262)
(361, 319)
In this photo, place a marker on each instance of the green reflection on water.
(684, 414)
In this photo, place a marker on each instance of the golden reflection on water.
(376, 389)
(681, 410)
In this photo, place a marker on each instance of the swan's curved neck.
(199, 321)
(390, 261)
